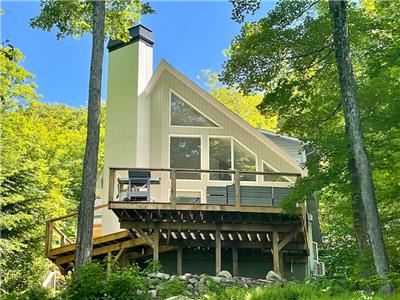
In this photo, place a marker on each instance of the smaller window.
(183, 114)
(244, 161)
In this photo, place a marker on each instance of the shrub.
(174, 287)
(126, 284)
(36, 293)
(92, 277)
(291, 291)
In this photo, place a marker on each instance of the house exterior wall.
(161, 131)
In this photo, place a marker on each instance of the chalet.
(188, 182)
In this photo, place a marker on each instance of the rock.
(216, 279)
(153, 294)
(159, 275)
(180, 297)
(272, 276)
(184, 277)
(193, 280)
(172, 277)
(225, 274)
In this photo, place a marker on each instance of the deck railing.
(176, 181)
(55, 236)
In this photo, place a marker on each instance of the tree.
(42, 147)
(289, 56)
(92, 16)
(353, 123)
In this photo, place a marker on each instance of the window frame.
(289, 181)
(201, 152)
(232, 139)
(171, 91)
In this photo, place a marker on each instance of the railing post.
(173, 188)
(49, 237)
(237, 188)
(111, 185)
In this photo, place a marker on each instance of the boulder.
(225, 274)
(153, 294)
(180, 297)
(193, 280)
(160, 275)
(274, 277)
(216, 279)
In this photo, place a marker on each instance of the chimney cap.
(138, 32)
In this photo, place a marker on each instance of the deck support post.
(235, 263)
(281, 263)
(237, 188)
(275, 252)
(156, 242)
(109, 263)
(218, 264)
(179, 259)
(173, 188)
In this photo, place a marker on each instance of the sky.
(191, 35)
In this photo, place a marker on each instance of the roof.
(164, 66)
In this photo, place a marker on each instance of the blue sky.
(190, 35)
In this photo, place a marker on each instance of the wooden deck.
(219, 226)
(155, 227)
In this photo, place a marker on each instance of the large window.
(185, 153)
(183, 114)
(227, 154)
(220, 152)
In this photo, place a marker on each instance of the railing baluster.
(173, 188)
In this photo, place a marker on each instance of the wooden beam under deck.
(211, 226)
(119, 205)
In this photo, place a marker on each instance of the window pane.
(182, 114)
(185, 153)
(220, 157)
(276, 178)
(244, 161)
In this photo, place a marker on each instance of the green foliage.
(120, 16)
(42, 147)
(171, 288)
(92, 282)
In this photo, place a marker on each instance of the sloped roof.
(164, 66)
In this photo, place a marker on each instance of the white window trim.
(201, 152)
(276, 170)
(233, 139)
(195, 108)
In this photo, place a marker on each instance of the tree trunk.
(360, 223)
(84, 243)
(353, 123)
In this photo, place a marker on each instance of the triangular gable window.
(183, 114)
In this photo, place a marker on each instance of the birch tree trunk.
(358, 151)
(84, 243)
